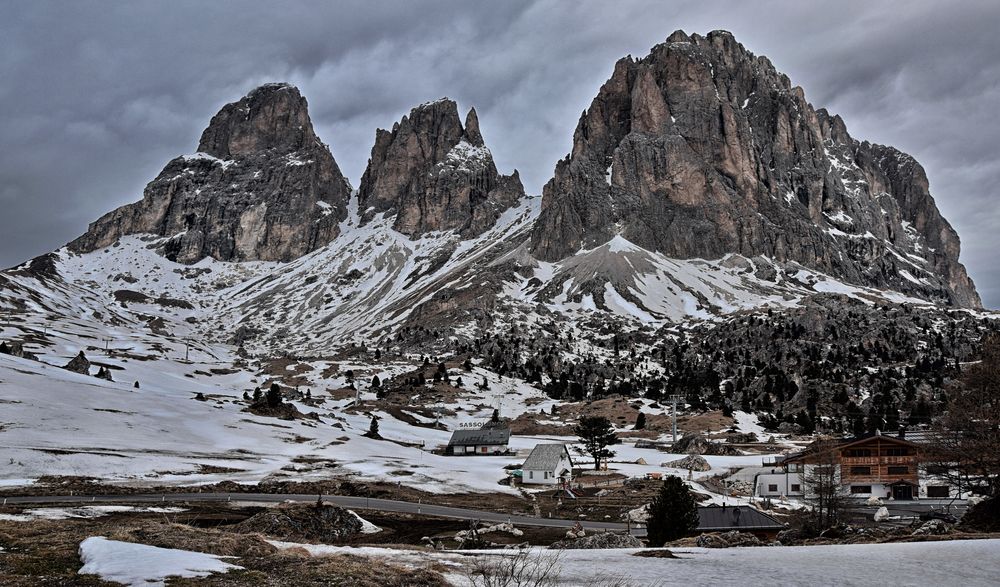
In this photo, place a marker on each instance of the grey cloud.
(98, 96)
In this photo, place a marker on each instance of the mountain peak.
(436, 174)
(701, 149)
(273, 116)
(678, 36)
(261, 187)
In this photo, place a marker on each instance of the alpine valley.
(711, 235)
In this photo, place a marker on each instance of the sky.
(95, 97)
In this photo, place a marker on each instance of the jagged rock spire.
(261, 187)
(433, 173)
(472, 133)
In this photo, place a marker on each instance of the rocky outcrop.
(293, 522)
(727, 539)
(434, 174)
(261, 187)
(692, 462)
(79, 364)
(699, 445)
(599, 540)
(702, 149)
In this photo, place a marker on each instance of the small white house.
(548, 464)
(779, 483)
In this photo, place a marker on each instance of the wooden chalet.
(876, 465)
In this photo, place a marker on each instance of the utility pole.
(673, 401)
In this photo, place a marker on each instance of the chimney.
(902, 433)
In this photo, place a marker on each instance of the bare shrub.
(523, 569)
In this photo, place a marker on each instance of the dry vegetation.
(46, 553)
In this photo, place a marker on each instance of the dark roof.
(545, 457)
(484, 436)
(869, 437)
(735, 517)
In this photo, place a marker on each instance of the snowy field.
(968, 563)
(55, 422)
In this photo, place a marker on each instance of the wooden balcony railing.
(872, 461)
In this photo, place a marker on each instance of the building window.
(857, 470)
(897, 452)
(938, 491)
(772, 488)
(796, 487)
(531, 474)
(859, 452)
(898, 470)
(861, 488)
(937, 469)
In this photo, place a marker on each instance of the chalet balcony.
(875, 461)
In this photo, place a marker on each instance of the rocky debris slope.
(434, 174)
(262, 186)
(701, 149)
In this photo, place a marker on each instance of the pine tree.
(673, 513)
(640, 421)
(596, 434)
(373, 428)
(256, 395)
(274, 396)
(376, 382)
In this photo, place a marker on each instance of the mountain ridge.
(436, 237)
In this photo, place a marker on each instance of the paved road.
(360, 503)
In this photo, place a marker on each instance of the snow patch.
(140, 565)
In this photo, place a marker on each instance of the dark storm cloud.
(96, 97)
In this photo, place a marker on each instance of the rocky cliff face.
(261, 187)
(702, 149)
(435, 174)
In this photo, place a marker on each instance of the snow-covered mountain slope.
(57, 423)
(370, 282)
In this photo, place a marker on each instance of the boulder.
(699, 445)
(881, 514)
(932, 528)
(599, 540)
(692, 462)
(727, 539)
(79, 364)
